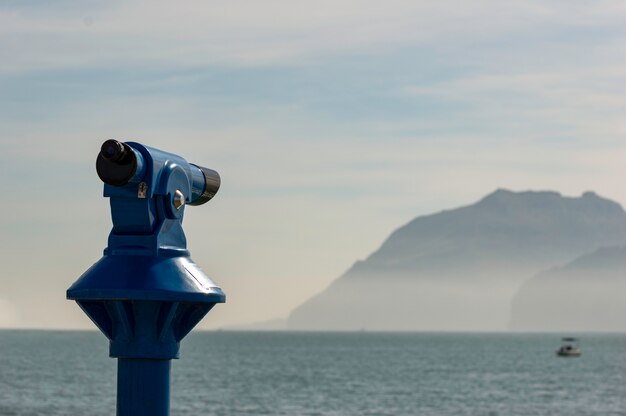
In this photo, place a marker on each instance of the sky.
(331, 123)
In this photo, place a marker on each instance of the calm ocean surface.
(247, 373)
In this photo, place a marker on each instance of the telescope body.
(146, 294)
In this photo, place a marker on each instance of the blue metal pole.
(143, 387)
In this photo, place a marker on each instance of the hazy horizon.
(332, 124)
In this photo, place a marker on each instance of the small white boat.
(569, 348)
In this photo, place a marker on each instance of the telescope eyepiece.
(112, 150)
(117, 163)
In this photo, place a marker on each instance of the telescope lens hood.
(212, 183)
(116, 163)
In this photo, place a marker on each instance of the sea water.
(362, 373)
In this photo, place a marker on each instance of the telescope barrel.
(119, 164)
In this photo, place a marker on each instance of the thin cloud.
(266, 33)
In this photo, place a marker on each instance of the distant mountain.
(586, 294)
(459, 269)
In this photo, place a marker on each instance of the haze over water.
(341, 374)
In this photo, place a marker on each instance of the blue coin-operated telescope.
(145, 294)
